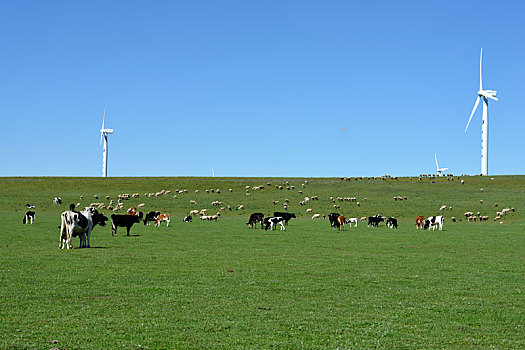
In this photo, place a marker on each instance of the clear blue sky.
(259, 88)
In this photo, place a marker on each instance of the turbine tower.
(486, 94)
(439, 171)
(104, 134)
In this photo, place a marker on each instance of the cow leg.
(88, 237)
(128, 228)
(282, 227)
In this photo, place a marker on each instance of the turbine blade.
(480, 57)
(437, 166)
(471, 114)
(103, 119)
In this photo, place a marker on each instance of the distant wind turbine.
(486, 94)
(439, 171)
(104, 134)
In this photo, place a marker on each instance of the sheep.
(316, 216)
(309, 210)
(443, 207)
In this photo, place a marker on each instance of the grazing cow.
(30, 206)
(391, 222)
(187, 219)
(286, 216)
(272, 222)
(333, 219)
(120, 220)
(254, 218)
(433, 222)
(352, 220)
(420, 222)
(80, 224)
(162, 217)
(151, 216)
(375, 220)
(340, 223)
(57, 201)
(29, 217)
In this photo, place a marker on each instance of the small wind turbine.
(439, 171)
(104, 134)
(486, 94)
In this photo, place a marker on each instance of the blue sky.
(259, 88)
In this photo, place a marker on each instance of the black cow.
(375, 220)
(391, 222)
(29, 217)
(254, 218)
(286, 216)
(187, 219)
(151, 216)
(333, 219)
(120, 220)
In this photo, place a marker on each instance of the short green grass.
(222, 285)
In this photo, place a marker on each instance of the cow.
(254, 218)
(391, 222)
(29, 217)
(273, 221)
(352, 220)
(340, 223)
(74, 223)
(57, 201)
(162, 217)
(420, 222)
(333, 219)
(187, 219)
(133, 211)
(151, 216)
(123, 220)
(433, 222)
(375, 220)
(286, 216)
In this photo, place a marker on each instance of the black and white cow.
(151, 216)
(187, 219)
(30, 206)
(29, 217)
(57, 201)
(286, 216)
(272, 222)
(79, 224)
(391, 222)
(123, 220)
(434, 221)
(333, 219)
(254, 219)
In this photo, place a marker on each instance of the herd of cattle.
(81, 223)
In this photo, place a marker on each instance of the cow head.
(427, 224)
(99, 219)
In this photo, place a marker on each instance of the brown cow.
(420, 222)
(341, 222)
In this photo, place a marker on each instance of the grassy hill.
(222, 285)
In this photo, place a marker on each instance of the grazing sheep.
(316, 216)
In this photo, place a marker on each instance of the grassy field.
(222, 285)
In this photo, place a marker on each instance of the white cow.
(352, 220)
(80, 224)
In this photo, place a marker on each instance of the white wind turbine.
(486, 94)
(104, 134)
(439, 171)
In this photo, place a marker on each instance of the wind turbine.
(486, 94)
(104, 134)
(439, 171)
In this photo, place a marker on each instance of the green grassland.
(221, 285)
